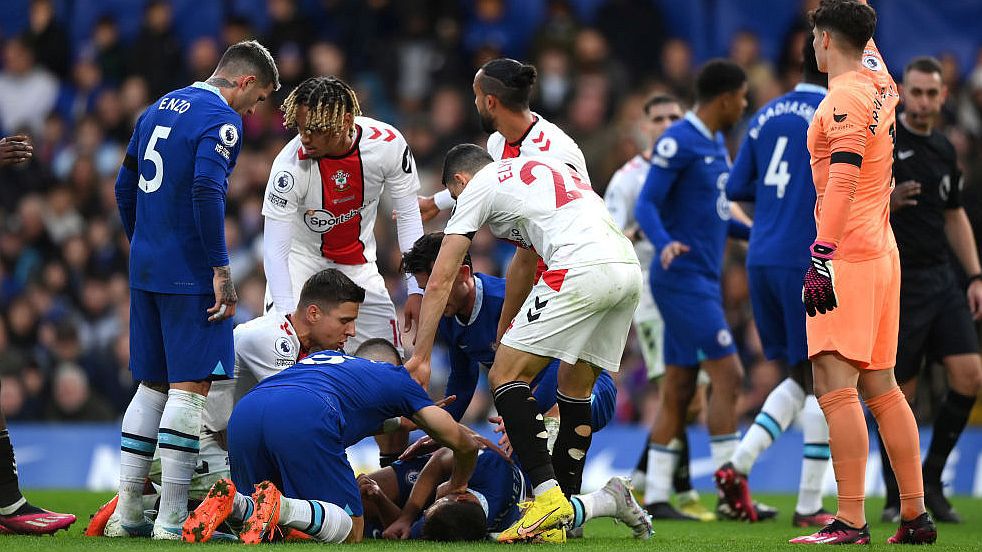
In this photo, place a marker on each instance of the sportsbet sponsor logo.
(321, 221)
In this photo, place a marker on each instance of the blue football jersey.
(684, 199)
(773, 170)
(503, 486)
(367, 392)
(182, 151)
(470, 344)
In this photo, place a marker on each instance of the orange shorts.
(863, 328)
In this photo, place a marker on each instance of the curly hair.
(328, 100)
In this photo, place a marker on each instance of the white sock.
(137, 443)
(242, 508)
(721, 447)
(815, 461)
(541, 488)
(662, 460)
(638, 480)
(180, 427)
(324, 521)
(592, 505)
(780, 408)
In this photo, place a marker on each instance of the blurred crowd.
(63, 255)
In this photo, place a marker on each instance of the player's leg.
(613, 500)
(575, 424)
(650, 331)
(678, 386)
(197, 351)
(809, 511)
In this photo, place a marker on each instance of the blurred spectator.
(677, 69)
(559, 30)
(47, 39)
(287, 26)
(62, 220)
(27, 92)
(636, 33)
(89, 145)
(110, 55)
(77, 98)
(554, 84)
(203, 56)
(235, 29)
(157, 55)
(73, 400)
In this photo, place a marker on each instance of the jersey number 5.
(562, 195)
(777, 169)
(153, 156)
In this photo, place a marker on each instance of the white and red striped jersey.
(542, 138)
(332, 202)
(541, 203)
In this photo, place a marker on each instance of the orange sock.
(849, 443)
(899, 431)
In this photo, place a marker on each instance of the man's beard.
(487, 123)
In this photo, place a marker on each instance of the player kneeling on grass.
(407, 509)
(291, 431)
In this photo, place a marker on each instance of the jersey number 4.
(153, 156)
(777, 169)
(563, 196)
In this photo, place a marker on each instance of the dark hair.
(456, 521)
(379, 350)
(809, 67)
(849, 19)
(717, 77)
(660, 99)
(925, 64)
(422, 255)
(329, 288)
(464, 158)
(510, 81)
(327, 99)
(250, 58)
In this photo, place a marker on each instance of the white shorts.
(581, 313)
(376, 316)
(212, 466)
(650, 329)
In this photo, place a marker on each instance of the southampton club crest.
(340, 179)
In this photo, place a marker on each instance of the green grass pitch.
(601, 535)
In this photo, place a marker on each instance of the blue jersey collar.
(808, 87)
(700, 126)
(478, 301)
(210, 88)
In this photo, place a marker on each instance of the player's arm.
(282, 199)
(519, 280)
(402, 183)
(430, 206)
(464, 374)
(742, 183)
(962, 241)
(437, 469)
(126, 183)
(738, 227)
(666, 165)
(620, 205)
(212, 165)
(437, 423)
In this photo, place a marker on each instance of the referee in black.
(937, 313)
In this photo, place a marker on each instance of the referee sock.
(662, 460)
(180, 427)
(323, 521)
(849, 443)
(137, 443)
(948, 427)
(899, 431)
(527, 433)
(815, 461)
(780, 408)
(572, 443)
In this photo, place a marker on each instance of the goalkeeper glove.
(818, 292)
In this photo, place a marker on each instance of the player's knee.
(965, 375)
(337, 532)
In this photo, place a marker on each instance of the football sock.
(899, 431)
(948, 426)
(721, 447)
(180, 426)
(139, 439)
(637, 478)
(780, 408)
(10, 497)
(527, 432)
(323, 521)
(815, 461)
(681, 480)
(849, 444)
(242, 508)
(890, 488)
(592, 505)
(662, 460)
(572, 443)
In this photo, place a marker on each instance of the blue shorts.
(172, 341)
(695, 327)
(603, 401)
(292, 437)
(775, 293)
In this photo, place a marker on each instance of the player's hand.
(427, 208)
(419, 369)
(499, 427)
(410, 319)
(399, 530)
(15, 150)
(672, 250)
(818, 291)
(368, 486)
(225, 297)
(484, 443)
(903, 194)
(422, 446)
(975, 298)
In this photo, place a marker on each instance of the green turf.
(600, 534)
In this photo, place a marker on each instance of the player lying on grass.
(410, 499)
(469, 327)
(323, 320)
(291, 431)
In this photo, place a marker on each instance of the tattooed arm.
(225, 297)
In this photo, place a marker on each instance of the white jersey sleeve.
(474, 204)
(286, 189)
(401, 178)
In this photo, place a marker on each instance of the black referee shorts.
(935, 321)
